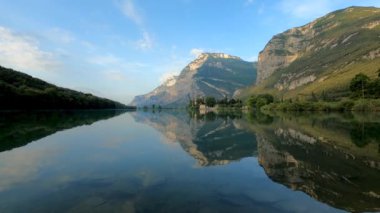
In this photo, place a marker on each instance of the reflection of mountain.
(211, 140)
(321, 157)
(20, 128)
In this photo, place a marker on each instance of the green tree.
(359, 85)
(258, 101)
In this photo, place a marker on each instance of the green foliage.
(362, 86)
(256, 102)
(212, 102)
(359, 85)
(21, 91)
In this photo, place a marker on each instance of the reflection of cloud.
(21, 52)
(115, 142)
(22, 165)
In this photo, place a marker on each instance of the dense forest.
(21, 91)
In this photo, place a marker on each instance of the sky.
(122, 48)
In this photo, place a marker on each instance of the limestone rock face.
(283, 49)
(211, 74)
(321, 52)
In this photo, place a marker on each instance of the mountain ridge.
(21, 91)
(210, 74)
(321, 56)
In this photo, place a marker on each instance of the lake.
(175, 161)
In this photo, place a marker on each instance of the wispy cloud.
(146, 42)
(253, 58)
(108, 60)
(196, 52)
(306, 9)
(60, 35)
(249, 2)
(169, 74)
(105, 60)
(23, 53)
(130, 10)
(115, 75)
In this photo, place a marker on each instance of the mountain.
(211, 74)
(22, 91)
(322, 56)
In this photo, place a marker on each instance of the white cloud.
(249, 2)
(167, 75)
(196, 52)
(23, 53)
(129, 9)
(105, 60)
(115, 75)
(60, 35)
(253, 58)
(146, 42)
(110, 60)
(307, 8)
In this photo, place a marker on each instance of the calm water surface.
(173, 161)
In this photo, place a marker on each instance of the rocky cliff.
(211, 74)
(322, 55)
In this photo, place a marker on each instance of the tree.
(314, 98)
(359, 85)
(260, 100)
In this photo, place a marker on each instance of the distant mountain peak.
(218, 55)
(210, 74)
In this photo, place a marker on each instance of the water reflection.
(144, 162)
(20, 128)
(332, 157)
(212, 139)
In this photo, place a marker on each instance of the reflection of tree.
(260, 118)
(344, 177)
(211, 116)
(365, 133)
(18, 128)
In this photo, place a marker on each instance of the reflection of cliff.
(20, 128)
(210, 140)
(334, 172)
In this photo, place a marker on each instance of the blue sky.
(122, 48)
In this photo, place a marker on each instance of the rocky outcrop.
(303, 55)
(211, 74)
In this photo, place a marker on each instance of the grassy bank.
(360, 105)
